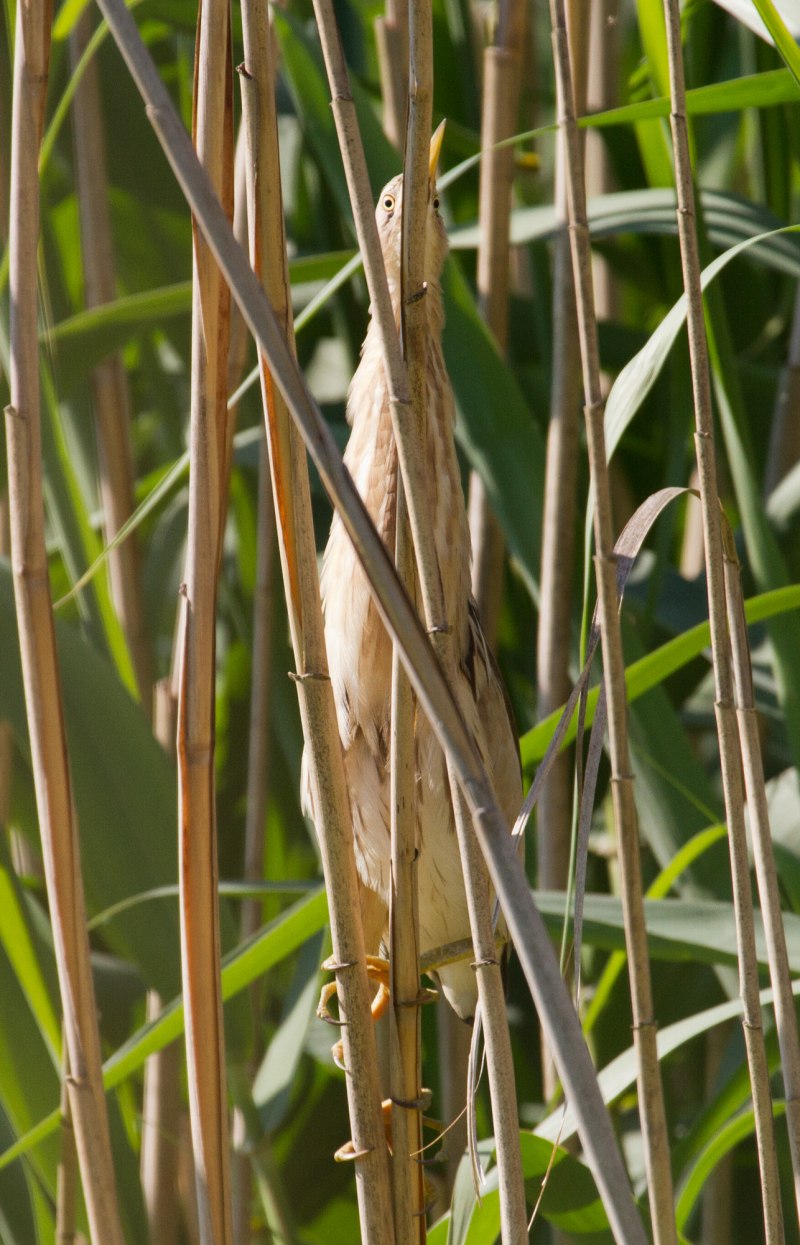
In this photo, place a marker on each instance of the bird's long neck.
(372, 456)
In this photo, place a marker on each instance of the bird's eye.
(388, 203)
(436, 204)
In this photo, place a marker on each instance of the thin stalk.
(405, 1053)
(292, 498)
(651, 1098)
(110, 395)
(503, 79)
(553, 684)
(723, 678)
(391, 39)
(500, 109)
(260, 683)
(525, 923)
(410, 437)
(67, 1173)
(161, 1101)
(200, 945)
(57, 817)
(405, 1076)
(766, 873)
(247, 1135)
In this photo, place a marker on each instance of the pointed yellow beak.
(436, 147)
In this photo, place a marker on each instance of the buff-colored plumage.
(359, 650)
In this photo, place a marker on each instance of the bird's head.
(389, 215)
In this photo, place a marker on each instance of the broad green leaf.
(729, 219)
(495, 427)
(649, 671)
(69, 513)
(620, 1075)
(239, 968)
(659, 889)
(29, 1078)
(783, 40)
(17, 939)
(570, 1200)
(679, 930)
(637, 379)
(124, 786)
(761, 90)
(729, 1136)
(273, 1082)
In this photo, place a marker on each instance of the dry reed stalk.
(57, 818)
(111, 400)
(602, 93)
(405, 1075)
(526, 926)
(298, 560)
(200, 946)
(559, 508)
(6, 737)
(161, 1102)
(766, 873)
(67, 1173)
(405, 1072)
(723, 678)
(391, 38)
(651, 1099)
(499, 112)
(258, 735)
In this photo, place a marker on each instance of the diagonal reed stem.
(720, 643)
(525, 923)
(57, 817)
(651, 1098)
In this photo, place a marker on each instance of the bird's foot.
(378, 972)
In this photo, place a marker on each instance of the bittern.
(359, 648)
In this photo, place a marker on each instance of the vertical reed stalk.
(110, 395)
(67, 1173)
(298, 560)
(723, 678)
(499, 112)
(205, 1040)
(405, 1053)
(391, 37)
(161, 1103)
(651, 1099)
(780, 974)
(559, 508)
(525, 923)
(405, 1073)
(57, 817)
(258, 734)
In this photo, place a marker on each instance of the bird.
(359, 648)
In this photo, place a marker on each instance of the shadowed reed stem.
(57, 818)
(651, 1098)
(720, 645)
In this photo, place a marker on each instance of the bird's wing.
(495, 727)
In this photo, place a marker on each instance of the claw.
(377, 971)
